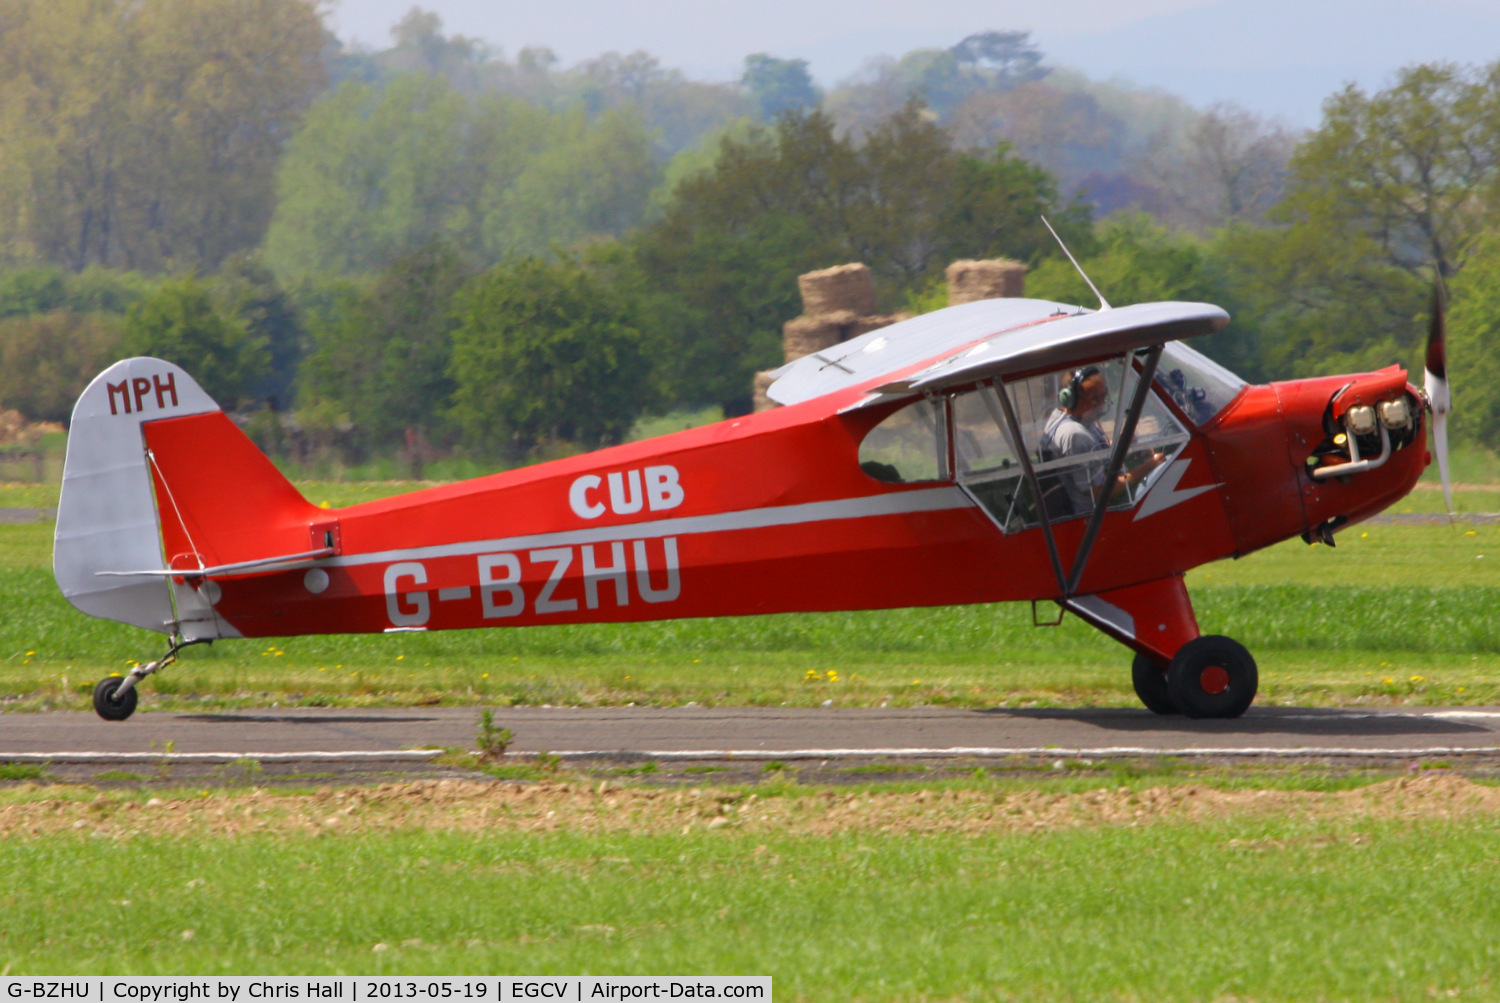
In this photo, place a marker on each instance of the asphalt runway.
(750, 733)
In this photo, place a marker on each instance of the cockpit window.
(1068, 422)
(907, 446)
(1197, 384)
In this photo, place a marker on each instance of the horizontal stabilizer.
(284, 563)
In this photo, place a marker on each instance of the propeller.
(1436, 385)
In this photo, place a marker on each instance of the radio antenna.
(1103, 303)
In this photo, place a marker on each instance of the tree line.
(433, 249)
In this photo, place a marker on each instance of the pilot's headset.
(1073, 390)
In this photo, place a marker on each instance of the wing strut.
(1116, 463)
(1068, 584)
(1031, 479)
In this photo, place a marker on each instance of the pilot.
(1073, 429)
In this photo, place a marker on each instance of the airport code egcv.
(486, 989)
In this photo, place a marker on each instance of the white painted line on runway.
(991, 752)
(218, 757)
(1491, 714)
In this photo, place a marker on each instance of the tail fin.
(157, 477)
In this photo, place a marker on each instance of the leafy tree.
(26, 291)
(1000, 59)
(991, 62)
(46, 359)
(1391, 188)
(721, 263)
(590, 180)
(382, 352)
(421, 46)
(1323, 302)
(1230, 167)
(1138, 261)
(1474, 345)
(246, 289)
(543, 353)
(1415, 169)
(180, 323)
(42, 288)
(778, 85)
(378, 174)
(138, 135)
(372, 176)
(676, 110)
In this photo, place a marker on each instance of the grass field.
(1080, 883)
(980, 890)
(1397, 613)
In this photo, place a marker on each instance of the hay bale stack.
(843, 287)
(762, 384)
(984, 280)
(805, 335)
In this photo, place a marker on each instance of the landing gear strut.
(115, 697)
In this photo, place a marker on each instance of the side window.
(980, 441)
(1068, 421)
(907, 446)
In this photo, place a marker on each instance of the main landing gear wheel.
(110, 707)
(1151, 685)
(1212, 676)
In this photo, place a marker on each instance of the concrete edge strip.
(402, 755)
(761, 755)
(1106, 752)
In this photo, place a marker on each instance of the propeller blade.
(1436, 384)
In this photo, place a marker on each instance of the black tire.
(1150, 682)
(1212, 676)
(105, 704)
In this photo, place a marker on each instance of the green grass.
(1468, 465)
(1393, 614)
(21, 771)
(1264, 909)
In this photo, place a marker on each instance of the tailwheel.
(1212, 676)
(1151, 685)
(110, 703)
(115, 697)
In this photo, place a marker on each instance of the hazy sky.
(1277, 57)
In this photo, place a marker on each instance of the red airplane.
(922, 464)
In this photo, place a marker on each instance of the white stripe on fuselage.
(902, 503)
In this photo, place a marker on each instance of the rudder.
(157, 476)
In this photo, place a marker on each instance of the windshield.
(1197, 384)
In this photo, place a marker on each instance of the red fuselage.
(761, 514)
